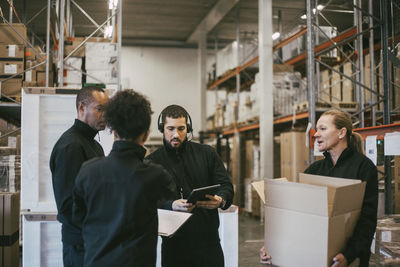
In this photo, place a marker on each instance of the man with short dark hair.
(115, 198)
(73, 148)
(191, 166)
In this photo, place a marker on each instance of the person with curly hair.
(115, 197)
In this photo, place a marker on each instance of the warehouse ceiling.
(172, 22)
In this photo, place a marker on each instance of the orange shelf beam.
(256, 126)
(380, 131)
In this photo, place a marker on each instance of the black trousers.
(210, 256)
(73, 255)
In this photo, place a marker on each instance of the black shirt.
(192, 166)
(115, 203)
(74, 147)
(354, 165)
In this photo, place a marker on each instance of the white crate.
(109, 76)
(100, 50)
(44, 119)
(41, 243)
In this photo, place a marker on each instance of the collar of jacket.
(122, 146)
(85, 129)
(178, 150)
(346, 153)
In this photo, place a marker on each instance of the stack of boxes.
(72, 75)
(102, 64)
(10, 180)
(12, 58)
(37, 76)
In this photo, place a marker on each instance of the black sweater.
(74, 147)
(115, 203)
(354, 165)
(194, 165)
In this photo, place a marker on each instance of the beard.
(168, 144)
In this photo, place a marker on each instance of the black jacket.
(74, 147)
(194, 165)
(354, 165)
(115, 203)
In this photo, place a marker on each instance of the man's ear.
(81, 108)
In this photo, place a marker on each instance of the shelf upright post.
(61, 45)
(372, 60)
(386, 103)
(119, 43)
(266, 86)
(360, 60)
(237, 55)
(10, 18)
(316, 64)
(48, 42)
(311, 67)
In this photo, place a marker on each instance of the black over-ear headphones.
(189, 127)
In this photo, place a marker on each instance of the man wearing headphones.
(191, 165)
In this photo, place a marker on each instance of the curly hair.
(129, 114)
(85, 95)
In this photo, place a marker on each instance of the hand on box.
(213, 203)
(339, 261)
(182, 205)
(264, 257)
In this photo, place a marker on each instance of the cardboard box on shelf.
(326, 209)
(11, 51)
(102, 76)
(9, 36)
(9, 221)
(8, 67)
(347, 85)
(12, 87)
(294, 154)
(336, 86)
(29, 84)
(74, 42)
(41, 78)
(325, 91)
(100, 50)
(252, 161)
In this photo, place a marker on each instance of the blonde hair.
(343, 120)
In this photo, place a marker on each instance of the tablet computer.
(201, 192)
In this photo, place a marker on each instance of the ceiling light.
(320, 7)
(304, 16)
(276, 35)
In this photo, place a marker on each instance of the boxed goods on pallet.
(227, 57)
(11, 50)
(13, 35)
(9, 216)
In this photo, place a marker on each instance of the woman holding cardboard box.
(344, 159)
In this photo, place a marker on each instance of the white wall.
(166, 76)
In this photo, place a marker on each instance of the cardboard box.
(252, 161)
(347, 85)
(336, 86)
(309, 222)
(41, 78)
(12, 87)
(11, 51)
(73, 43)
(9, 228)
(294, 154)
(325, 89)
(8, 68)
(30, 54)
(9, 36)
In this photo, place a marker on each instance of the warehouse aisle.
(251, 236)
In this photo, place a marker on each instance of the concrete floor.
(251, 239)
